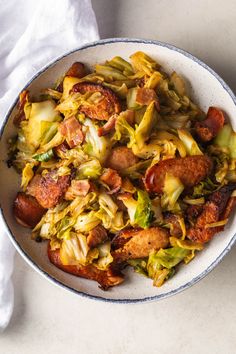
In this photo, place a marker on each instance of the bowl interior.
(205, 88)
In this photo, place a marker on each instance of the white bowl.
(205, 87)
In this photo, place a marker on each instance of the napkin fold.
(32, 33)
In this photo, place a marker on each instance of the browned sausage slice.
(105, 108)
(121, 158)
(190, 170)
(77, 69)
(27, 211)
(217, 208)
(47, 190)
(106, 278)
(131, 244)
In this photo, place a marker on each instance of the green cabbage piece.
(55, 141)
(231, 176)
(99, 145)
(176, 120)
(118, 222)
(75, 251)
(204, 188)
(131, 205)
(89, 169)
(145, 127)
(76, 156)
(153, 80)
(139, 265)
(143, 63)
(160, 265)
(172, 189)
(54, 94)
(136, 138)
(48, 131)
(178, 82)
(27, 175)
(107, 204)
(87, 221)
(140, 210)
(68, 84)
(157, 210)
(104, 257)
(187, 245)
(121, 64)
(51, 221)
(222, 161)
(120, 90)
(46, 156)
(137, 170)
(190, 144)
(166, 258)
(110, 73)
(143, 213)
(227, 138)
(112, 222)
(37, 114)
(123, 130)
(131, 98)
(64, 227)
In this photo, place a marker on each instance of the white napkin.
(32, 33)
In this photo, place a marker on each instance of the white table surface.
(47, 319)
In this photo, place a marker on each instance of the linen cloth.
(32, 33)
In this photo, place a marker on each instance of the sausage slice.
(216, 208)
(47, 190)
(190, 170)
(27, 211)
(121, 157)
(105, 108)
(106, 278)
(134, 243)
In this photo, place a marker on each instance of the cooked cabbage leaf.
(99, 145)
(227, 138)
(139, 265)
(104, 257)
(27, 175)
(143, 213)
(142, 62)
(172, 189)
(89, 169)
(46, 156)
(74, 249)
(190, 144)
(37, 114)
(87, 221)
(160, 265)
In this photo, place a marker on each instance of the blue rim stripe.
(30, 261)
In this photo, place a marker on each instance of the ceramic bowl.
(205, 87)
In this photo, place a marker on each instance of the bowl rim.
(17, 245)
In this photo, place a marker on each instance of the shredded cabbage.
(132, 115)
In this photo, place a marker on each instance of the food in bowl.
(120, 168)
